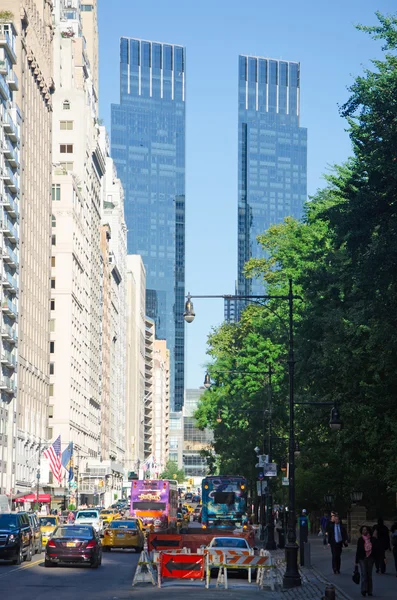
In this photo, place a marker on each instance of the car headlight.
(12, 537)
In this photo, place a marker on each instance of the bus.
(155, 502)
(224, 500)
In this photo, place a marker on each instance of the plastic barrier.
(144, 572)
(180, 566)
(156, 554)
(261, 563)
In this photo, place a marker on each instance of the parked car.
(90, 516)
(196, 498)
(124, 533)
(37, 541)
(74, 544)
(188, 497)
(47, 526)
(16, 537)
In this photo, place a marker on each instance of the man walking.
(337, 538)
(381, 532)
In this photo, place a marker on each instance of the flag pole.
(38, 476)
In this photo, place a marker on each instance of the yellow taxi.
(123, 533)
(47, 526)
(189, 508)
(109, 514)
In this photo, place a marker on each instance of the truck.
(224, 502)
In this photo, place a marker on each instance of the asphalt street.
(111, 581)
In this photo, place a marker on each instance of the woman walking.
(366, 555)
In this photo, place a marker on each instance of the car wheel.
(29, 553)
(19, 558)
(95, 564)
(48, 563)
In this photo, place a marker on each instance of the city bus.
(155, 502)
(224, 500)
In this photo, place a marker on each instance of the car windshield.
(123, 525)
(8, 521)
(73, 532)
(229, 543)
(87, 514)
(106, 512)
(48, 521)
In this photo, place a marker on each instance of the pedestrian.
(381, 532)
(394, 543)
(337, 538)
(366, 555)
(71, 518)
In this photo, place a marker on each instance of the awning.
(33, 498)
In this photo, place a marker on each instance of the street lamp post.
(292, 577)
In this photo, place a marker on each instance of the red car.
(74, 544)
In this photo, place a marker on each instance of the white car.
(90, 517)
(229, 543)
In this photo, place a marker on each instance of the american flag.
(53, 453)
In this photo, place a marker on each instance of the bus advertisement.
(155, 502)
(224, 500)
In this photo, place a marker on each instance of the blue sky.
(321, 35)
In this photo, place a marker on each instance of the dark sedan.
(74, 544)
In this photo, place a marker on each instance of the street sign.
(263, 459)
(271, 470)
(261, 487)
(163, 541)
(285, 481)
(260, 476)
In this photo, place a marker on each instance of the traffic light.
(175, 475)
(191, 481)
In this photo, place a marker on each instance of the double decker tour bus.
(155, 502)
(224, 500)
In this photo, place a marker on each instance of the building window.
(53, 221)
(56, 191)
(51, 389)
(66, 148)
(54, 240)
(66, 166)
(53, 261)
(53, 283)
(66, 125)
(52, 304)
(52, 325)
(66, 105)
(52, 368)
(87, 8)
(52, 347)
(51, 410)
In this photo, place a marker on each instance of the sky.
(320, 35)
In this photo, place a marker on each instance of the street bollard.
(329, 592)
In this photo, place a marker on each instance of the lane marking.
(27, 566)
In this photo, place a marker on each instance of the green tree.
(172, 471)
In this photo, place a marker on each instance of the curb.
(343, 595)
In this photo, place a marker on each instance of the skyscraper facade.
(272, 154)
(148, 147)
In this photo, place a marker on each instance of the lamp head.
(189, 313)
(207, 381)
(335, 422)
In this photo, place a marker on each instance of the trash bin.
(281, 538)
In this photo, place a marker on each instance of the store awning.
(33, 498)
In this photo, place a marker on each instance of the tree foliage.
(342, 258)
(172, 472)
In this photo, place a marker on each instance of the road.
(385, 586)
(111, 581)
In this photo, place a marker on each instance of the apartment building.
(161, 405)
(26, 35)
(136, 331)
(115, 274)
(10, 123)
(77, 260)
(150, 334)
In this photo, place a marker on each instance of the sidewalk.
(385, 586)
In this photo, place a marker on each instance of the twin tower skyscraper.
(148, 147)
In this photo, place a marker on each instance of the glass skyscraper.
(272, 154)
(148, 147)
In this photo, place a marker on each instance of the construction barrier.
(164, 541)
(156, 554)
(261, 564)
(180, 566)
(144, 572)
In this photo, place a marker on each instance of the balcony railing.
(4, 90)
(9, 230)
(10, 152)
(12, 81)
(9, 204)
(9, 256)
(9, 307)
(9, 333)
(10, 282)
(10, 179)
(9, 126)
(8, 358)
(3, 66)
(6, 42)
(7, 384)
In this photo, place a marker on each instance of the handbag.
(356, 576)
